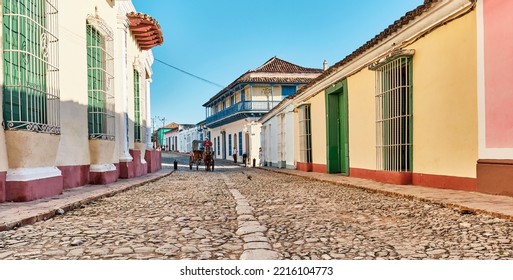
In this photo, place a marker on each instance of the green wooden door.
(337, 129)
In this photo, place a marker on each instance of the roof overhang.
(146, 30)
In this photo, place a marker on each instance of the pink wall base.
(103, 178)
(74, 176)
(2, 186)
(153, 159)
(126, 170)
(21, 191)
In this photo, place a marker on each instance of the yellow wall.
(318, 119)
(362, 120)
(445, 100)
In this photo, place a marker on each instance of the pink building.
(495, 96)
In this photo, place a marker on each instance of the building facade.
(495, 97)
(400, 109)
(232, 114)
(187, 133)
(277, 140)
(76, 77)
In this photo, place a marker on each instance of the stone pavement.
(493, 205)
(238, 213)
(16, 214)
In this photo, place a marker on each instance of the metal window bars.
(31, 96)
(393, 115)
(100, 66)
(305, 134)
(139, 104)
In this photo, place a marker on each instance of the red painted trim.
(2, 186)
(103, 178)
(495, 176)
(445, 182)
(126, 170)
(304, 166)
(419, 179)
(153, 160)
(390, 177)
(74, 176)
(319, 168)
(21, 191)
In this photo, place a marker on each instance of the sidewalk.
(15, 214)
(493, 205)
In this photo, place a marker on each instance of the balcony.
(239, 111)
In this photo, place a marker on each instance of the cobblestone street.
(246, 213)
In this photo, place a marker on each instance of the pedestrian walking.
(234, 153)
(260, 156)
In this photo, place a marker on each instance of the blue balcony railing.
(243, 107)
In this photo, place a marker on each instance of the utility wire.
(190, 74)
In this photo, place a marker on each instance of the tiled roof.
(146, 30)
(273, 66)
(391, 29)
(276, 65)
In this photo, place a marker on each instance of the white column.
(124, 155)
(149, 144)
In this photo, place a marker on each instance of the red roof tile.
(146, 30)
(273, 66)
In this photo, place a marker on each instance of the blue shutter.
(218, 145)
(240, 143)
(288, 90)
(229, 144)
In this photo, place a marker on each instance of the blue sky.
(221, 39)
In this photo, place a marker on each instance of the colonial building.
(495, 96)
(75, 79)
(232, 114)
(403, 107)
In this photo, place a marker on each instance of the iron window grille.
(137, 106)
(305, 134)
(100, 79)
(31, 94)
(394, 114)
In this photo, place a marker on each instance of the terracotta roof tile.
(276, 65)
(273, 66)
(146, 30)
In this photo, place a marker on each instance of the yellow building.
(402, 108)
(75, 81)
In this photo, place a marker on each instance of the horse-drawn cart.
(199, 154)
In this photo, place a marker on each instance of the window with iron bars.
(305, 134)
(394, 115)
(137, 106)
(100, 80)
(30, 90)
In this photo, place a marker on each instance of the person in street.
(260, 156)
(234, 153)
(245, 159)
(207, 144)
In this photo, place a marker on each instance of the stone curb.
(111, 190)
(455, 206)
(256, 244)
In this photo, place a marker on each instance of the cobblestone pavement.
(243, 213)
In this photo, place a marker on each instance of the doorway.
(337, 129)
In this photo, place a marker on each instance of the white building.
(277, 140)
(232, 114)
(186, 135)
(75, 78)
